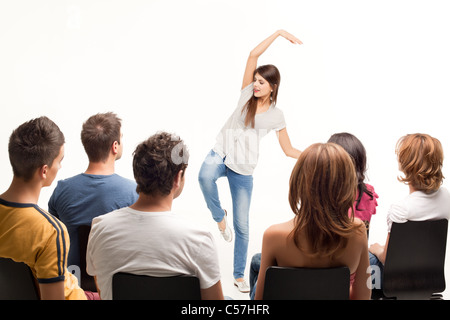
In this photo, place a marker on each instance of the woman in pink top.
(322, 189)
(366, 200)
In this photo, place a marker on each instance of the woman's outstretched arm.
(285, 143)
(259, 50)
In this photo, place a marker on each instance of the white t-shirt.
(419, 206)
(240, 144)
(149, 243)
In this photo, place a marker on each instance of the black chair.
(415, 258)
(283, 283)
(17, 281)
(87, 282)
(127, 286)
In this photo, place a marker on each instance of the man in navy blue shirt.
(99, 190)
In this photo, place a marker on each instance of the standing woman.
(237, 148)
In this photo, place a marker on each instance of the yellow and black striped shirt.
(31, 235)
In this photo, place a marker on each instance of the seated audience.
(147, 238)
(420, 158)
(99, 190)
(366, 200)
(322, 189)
(28, 233)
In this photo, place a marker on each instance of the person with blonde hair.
(322, 190)
(420, 158)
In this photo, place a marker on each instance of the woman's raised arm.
(259, 50)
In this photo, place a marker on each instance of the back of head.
(98, 134)
(420, 158)
(356, 150)
(322, 190)
(157, 161)
(34, 144)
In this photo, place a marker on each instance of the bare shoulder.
(358, 222)
(361, 233)
(280, 227)
(280, 230)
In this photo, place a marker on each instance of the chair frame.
(127, 286)
(87, 282)
(284, 283)
(415, 260)
(17, 281)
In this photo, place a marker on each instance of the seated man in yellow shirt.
(28, 233)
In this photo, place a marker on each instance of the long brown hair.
(322, 190)
(356, 150)
(271, 74)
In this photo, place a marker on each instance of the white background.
(377, 69)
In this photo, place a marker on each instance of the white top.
(240, 144)
(149, 243)
(419, 206)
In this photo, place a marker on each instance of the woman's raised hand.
(289, 37)
(259, 50)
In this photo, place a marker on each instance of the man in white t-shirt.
(147, 238)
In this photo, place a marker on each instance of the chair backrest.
(17, 281)
(139, 287)
(415, 258)
(87, 282)
(283, 283)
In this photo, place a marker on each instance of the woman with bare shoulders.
(323, 187)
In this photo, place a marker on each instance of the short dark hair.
(99, 132)
(34, 144)
(157, 161)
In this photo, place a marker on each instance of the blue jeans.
(254, 273)
(241, 188)
(377, 271)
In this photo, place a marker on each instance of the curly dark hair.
(157, 161)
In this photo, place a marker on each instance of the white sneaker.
(227, 234)
(242, 286)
